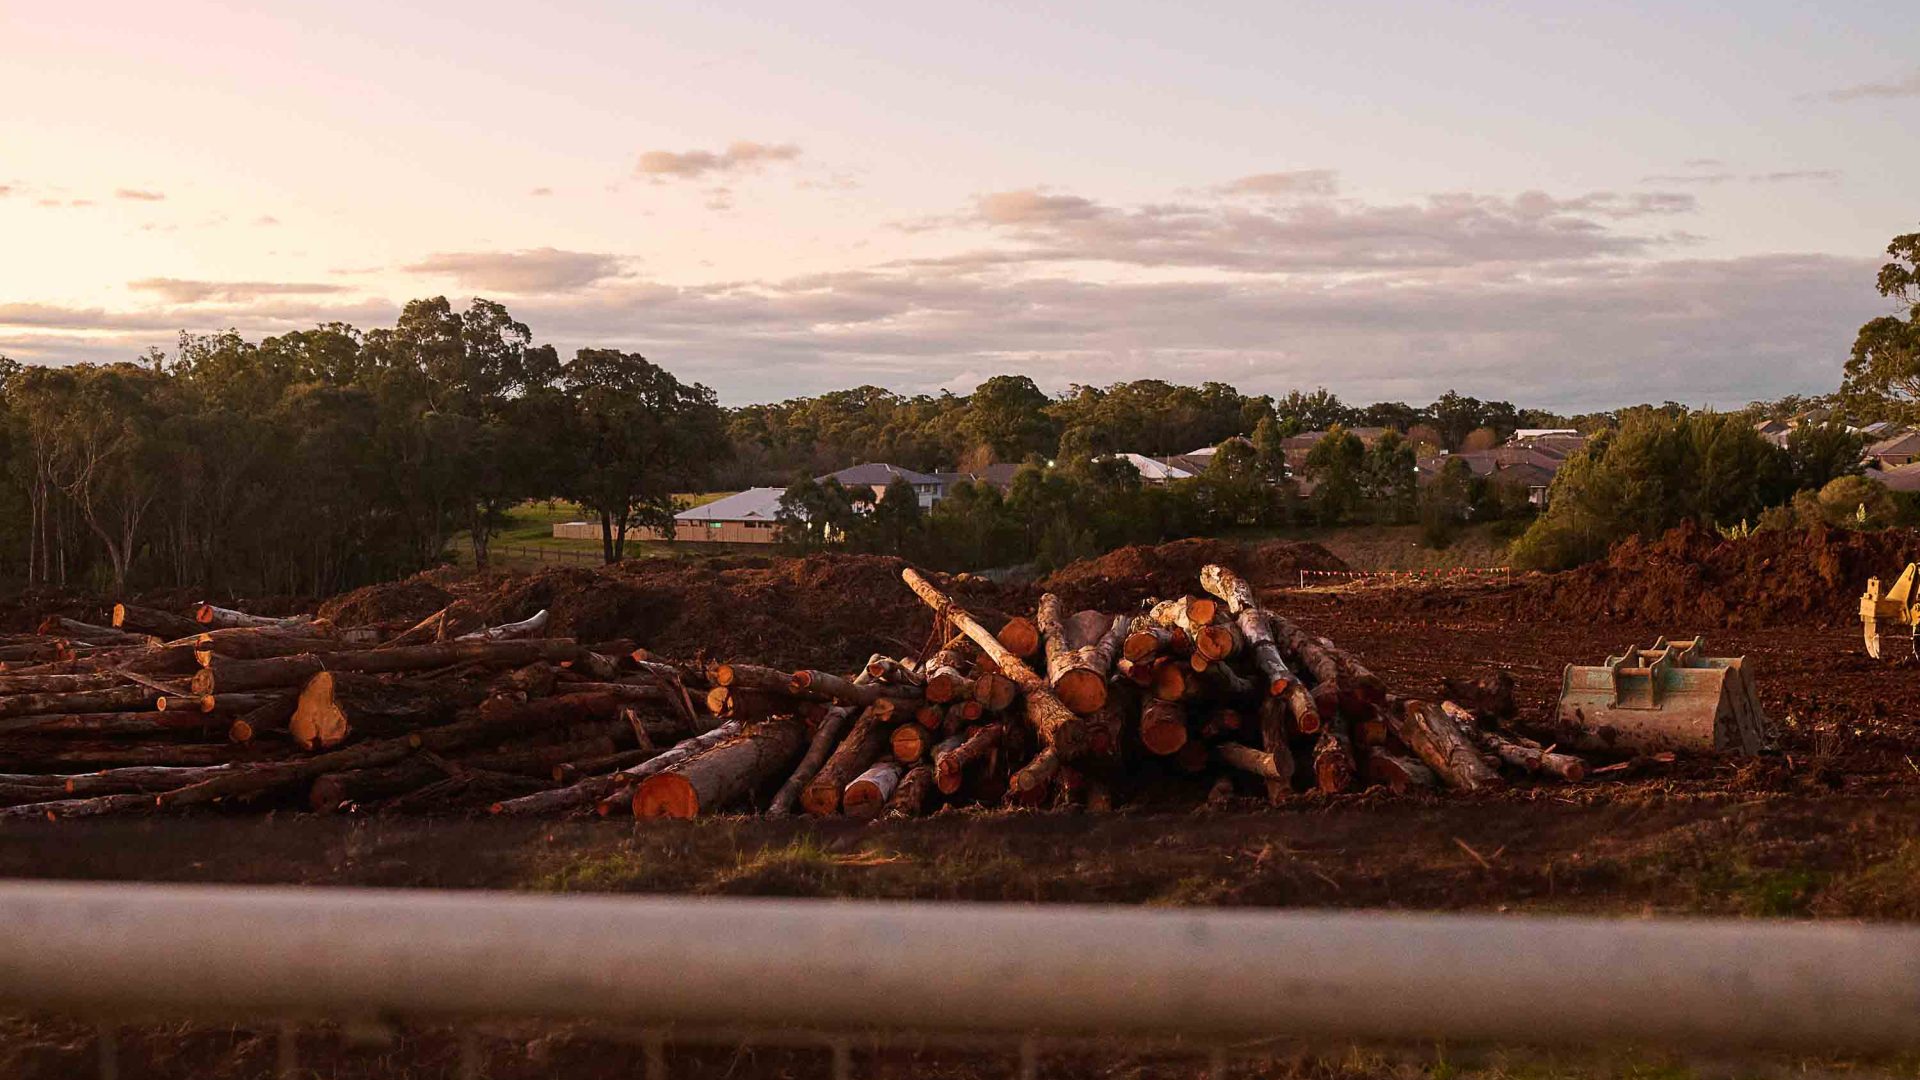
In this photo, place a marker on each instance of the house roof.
(1903, 443)
(1305, 439)
(753, 504)
(877, 474)
(1546, 432)
(1152, 469)
(1898, 478)
(999, 474)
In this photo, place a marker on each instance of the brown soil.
(1121, 579)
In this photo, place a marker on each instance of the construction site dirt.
(1821, 827)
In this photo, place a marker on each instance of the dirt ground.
(1826, 828)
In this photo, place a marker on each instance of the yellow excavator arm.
(1890, 612)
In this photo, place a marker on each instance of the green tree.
(642, 436)
(1389, 477)
(1445, 502)
(1007, 414)
(1318, 411)
(1818, 454)
(1337, 467)
(1883, 373)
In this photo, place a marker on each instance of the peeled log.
(709, 782)
(1252, 621)
(226, 618)
(869, 792)
(1071, 670)
(1428, 731)
(1247, 759)
(1055, 724)
(856, 752)
(508, 631)
(596, 788)
(1524, 754)
(861, 692)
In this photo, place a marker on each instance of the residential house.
(1902, 448)
(1898, 478)
(747, 517)
(877, 476)
(1297, 447)
(1154, 470)
(998, 475)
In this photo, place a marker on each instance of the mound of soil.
(406, 601)
(1692, 577)
(1119, 580)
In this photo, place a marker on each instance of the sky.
(1570, 206)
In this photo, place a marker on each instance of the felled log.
(861, 747)
(1333, 764)
(1397, 772)
(525, 628)
(888, 670)
(256, 643)
(1488, 695)
(68, 808)
(1147, 639)
(1029, 785)
(1275, 721)
(68, 755)
(707, 783)
(220, 675)
(1301, 709)
(73, 629)
(1163, 726)
(868, 793)
(995, 692)
(1427, 730)
(111, 723)
(1251, 620)
(947, 670)
(273, 715)
(1318, 663)
(335, 705)
(1174, 680)
(826, 736)
(913, 793)
(1055, 724)
(1019, 637)
(382, 782)
(568, 772)
(210, 615)
(139, 778)
(862, 692)
(1362, 686)
(145, 620)
(951, 762)
(58, 684)
(910, 743)
(1194, 616)
(111, 699)
(1521, 753)
(1247, 759)
(594, 789)
(1080, 652)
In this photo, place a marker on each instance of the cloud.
(1751, 178)
(180, 291)
(1703, 163)
(1899, 88)
(1297, 182)
(139, 195)
(541, 191)
(1690, 178)
(1445, 230)
(664, 165)
(540, 270)
(266, 219)
(5, 190)
(1799, 174)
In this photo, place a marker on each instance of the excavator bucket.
(1671, 697)
(1890, 614)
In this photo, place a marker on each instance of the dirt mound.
(1119, 580)
(406, 601)
(830, 611)
(1694, 578)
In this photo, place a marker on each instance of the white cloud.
(179, 291)
(1897, 88)
(663, 165)
(1297, 182)
(540, 270)
(139, 195)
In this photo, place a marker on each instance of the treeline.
(1009, 419)
(323, 459)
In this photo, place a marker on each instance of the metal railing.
(1008, 971)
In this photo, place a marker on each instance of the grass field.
(528, 540)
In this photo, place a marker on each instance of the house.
(1297, 447)
(877, 476)
(1152, 470)
(1777, 432)
(998, 475)
(1900, 449)
(747, 517)
(1898, 478)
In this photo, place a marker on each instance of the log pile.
(1214, 693)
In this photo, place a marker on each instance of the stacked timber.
(1214, 691)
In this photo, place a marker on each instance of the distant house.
(877, 476)
(1898, 478)
(1777, 432)
(1530, 460)
(747, 517)
(998, 475)
(1153, 470)
(1900, 449)
(1297, 447)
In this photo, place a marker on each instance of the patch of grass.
(618, 870)
(1887, 888)
(801, 867)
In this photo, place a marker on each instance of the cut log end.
(666, 795)
(1020, 636)
(318, 720)
(1083, 691)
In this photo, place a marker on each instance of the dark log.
(826, 736)
(995, 692)
(951, 762)
(1318, 663)
(59, 684)
(888, 670)
(257, 644)
(913, 793)
(1518, 751)
(1397, 772)
(74, 630)
(144, 620)
(1361, 686)
(112, 723)
(707, 783)
(1163, 726)
(333, 790)
(1427, 730)
(1028, 787)
(568, 772)
(112, 699)
(1055, 724)
(223, 675)
(1275, 724)
(1333, 764)
(67, 808)
(861, 692)
(273, 715)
